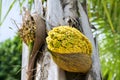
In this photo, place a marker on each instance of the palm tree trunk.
(25, 61)
(65, 12)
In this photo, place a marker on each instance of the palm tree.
(104, 15)
(64, 13)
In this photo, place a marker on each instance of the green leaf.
(0, 10)
(108, 15)
(30, 2)
(20, 4)
(110, 76)
(12, 4)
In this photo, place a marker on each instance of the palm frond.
(12, 4)
(21, 3)
(0, 9)
(108, 15)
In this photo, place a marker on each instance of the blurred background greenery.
(10, 59)
(103, 14)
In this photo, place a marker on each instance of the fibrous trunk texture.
(72, 13)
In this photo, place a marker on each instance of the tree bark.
(65, 12)
(25, 61)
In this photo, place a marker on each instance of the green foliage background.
(105, 15)
(10, 59)
(11, 50)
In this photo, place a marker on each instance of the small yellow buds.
(27, 31)
(64, 39)
(70, 49)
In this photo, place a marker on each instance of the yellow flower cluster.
(68, 40)
(27, 32)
